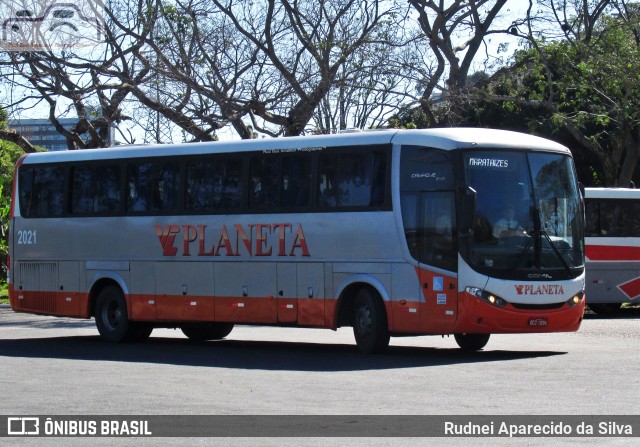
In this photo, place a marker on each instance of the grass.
(4, 294)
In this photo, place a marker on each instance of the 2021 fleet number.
(27, 237)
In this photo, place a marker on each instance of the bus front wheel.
(472, 342)
(207, 331)
(112, 318)
(370, 326)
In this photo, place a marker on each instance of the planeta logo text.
(542, 289)
(279, 239)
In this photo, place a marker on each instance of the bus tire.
(207, 331)
(472, 342)
(112, 318)
(370, 326)
(605, 308)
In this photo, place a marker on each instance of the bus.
(612, 248)
(396, 232)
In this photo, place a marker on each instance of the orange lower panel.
(311, 311)
(476, 316)
(246, 310)
(473, 315)
(60, 303)
(142, 307)
(184, 308)
(177, 308)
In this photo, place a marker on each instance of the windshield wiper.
(524, 251)
(556, 251)
(535, 234)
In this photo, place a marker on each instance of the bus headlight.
(486, 296)
(575, 299)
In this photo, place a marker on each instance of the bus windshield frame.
(527, 221)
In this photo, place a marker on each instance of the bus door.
(428, 198)
(438, 258)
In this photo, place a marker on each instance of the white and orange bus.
(612, 248)
(439, 231)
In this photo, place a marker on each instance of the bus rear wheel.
(472, 342)
(112, 318)
(370, 326)
(207, 331)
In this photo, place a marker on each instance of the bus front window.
(527, 220)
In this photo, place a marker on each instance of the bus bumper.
(480, 317)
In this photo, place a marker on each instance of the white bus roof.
(612, 193)
(445, 138)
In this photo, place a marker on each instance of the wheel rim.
(364, 321)
(112, 316)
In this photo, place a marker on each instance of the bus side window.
(95, 189)
(264, 175)
(213, 184)
(327, 178)
(42, 191)
(25, 186)
(294, 182)
(153, 187)
(592, 217)
(354, 179)
(614, 219)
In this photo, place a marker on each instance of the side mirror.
(467, 199)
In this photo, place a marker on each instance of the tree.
(304, 50)
(270, 67)
(455, 31)
(585, 85)
(9, 154)
(69, 79)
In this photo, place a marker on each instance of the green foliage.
(9, 154)
(412, 118)
(564, 88)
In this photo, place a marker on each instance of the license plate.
(538, 322)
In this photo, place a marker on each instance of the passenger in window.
(256, 188)
(327, 192)
(354, 192)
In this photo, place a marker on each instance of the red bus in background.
(612, 248)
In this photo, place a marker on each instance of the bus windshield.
(527, 222)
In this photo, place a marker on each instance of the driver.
(508, 225)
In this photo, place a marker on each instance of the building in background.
(40, 132)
